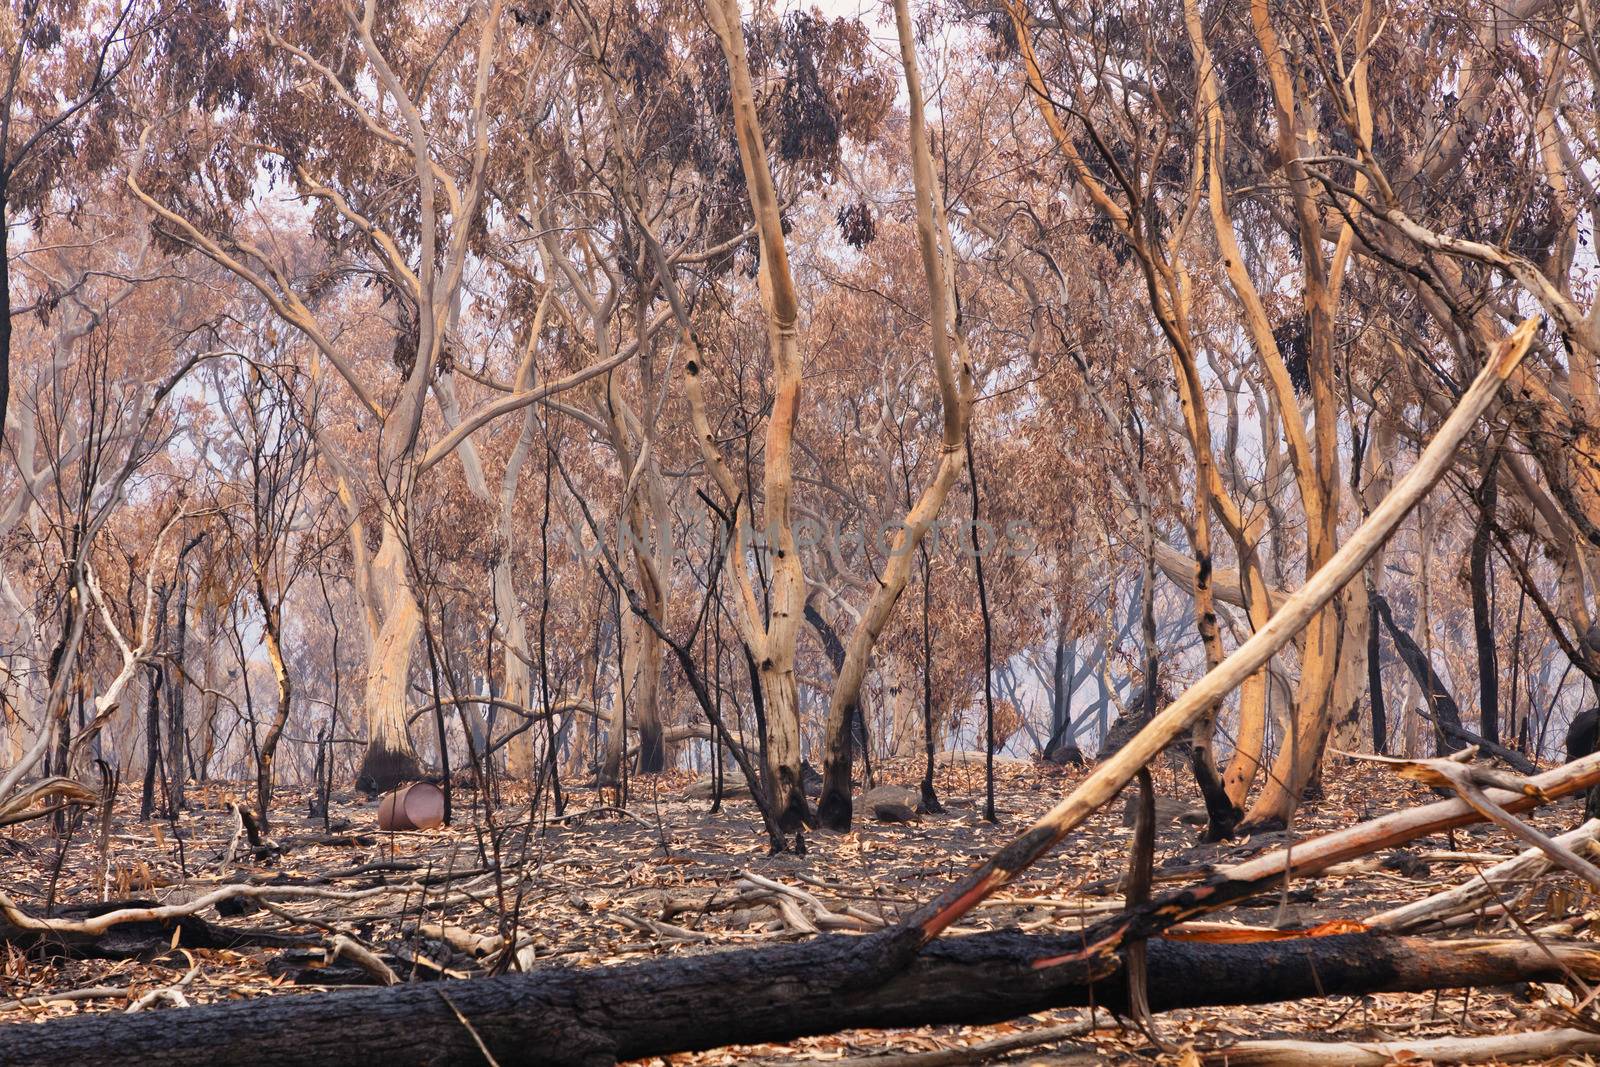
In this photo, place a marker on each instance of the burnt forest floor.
(599, 887)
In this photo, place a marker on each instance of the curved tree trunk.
(955, 394)
(1250, 739)
(280, 718)
(769, 631)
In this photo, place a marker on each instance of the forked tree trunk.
(769, 631)
(954, 377)
(1317, 460)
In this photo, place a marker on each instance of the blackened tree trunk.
(930, 798)
(177, 730)
(652, 746)
(1060, 699)
(833, 648)
(1380, 718)
(156, 682)
(152, 748)
(1442, 706)
(1482, 621)
(1443, 710)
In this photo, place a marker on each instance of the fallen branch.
(595, 1017)
(783, 897)
(11, 913)
(1468, 781)
(66, 996)
(1271, 870)
(64, 790)
(1483, 887)
(143, 939)
(464, 941)
(168, 994)
(667, 932)
(144, 928)
(1494, 1048)
(343, 947)
(15, 817)
(982, 1052)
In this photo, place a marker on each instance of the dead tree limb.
(140, 938)
(127, 928)
(1492, 1048)
(1468, 782)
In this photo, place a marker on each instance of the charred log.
(598, 1016)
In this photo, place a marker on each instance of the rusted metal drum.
(418, 806)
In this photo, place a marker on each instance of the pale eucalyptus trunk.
(390, 758)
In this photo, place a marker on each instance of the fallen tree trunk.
(1270, 870)
(591, 1017)
(66, 934)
